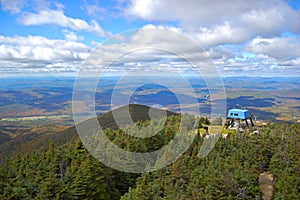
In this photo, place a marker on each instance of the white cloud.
(71, 36)
(153, 50)
(279, 48)
(230, 28)
(36, 52)
(260, 56)
(221, 34)
(216, 22)
(94, 10)
(160, 46)
(13, 6)
(57, 17)
(150, 48)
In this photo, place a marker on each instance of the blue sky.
(259, 37)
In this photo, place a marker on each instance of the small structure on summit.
(237, 116)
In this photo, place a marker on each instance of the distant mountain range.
(137, 113)
(272, 98)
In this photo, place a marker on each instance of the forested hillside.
(230, 171)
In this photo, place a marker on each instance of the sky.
(242, 38)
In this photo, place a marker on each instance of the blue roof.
(238, 114)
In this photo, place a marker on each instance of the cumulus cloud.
(260, 56)
(150, 49)
(35, 53)
(221, 34)
(278, 47)
(241, 37)
(216, 22)
(57, 17)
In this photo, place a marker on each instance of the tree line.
(230, 171)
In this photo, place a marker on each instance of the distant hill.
(37, 139)
(137, 113)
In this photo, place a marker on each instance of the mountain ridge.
(38, 138)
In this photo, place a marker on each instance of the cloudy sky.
(258, 37)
